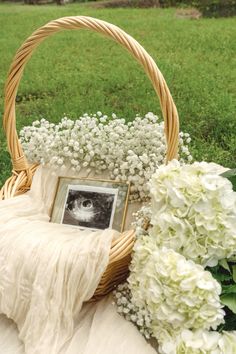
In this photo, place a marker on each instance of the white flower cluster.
(129, 151)
(175, 293)
(194, 211)
(169, 295)
(199, 342)
(142, 221)
(131, 312)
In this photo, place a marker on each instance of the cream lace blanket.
(47, 272)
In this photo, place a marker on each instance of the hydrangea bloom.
(169, 295)
(194, 211)
(129, 151)
(199, 342)
(227, 342)
(174, 292)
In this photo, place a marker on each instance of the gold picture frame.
(90, 203)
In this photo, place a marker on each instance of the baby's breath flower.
(130, 311)
(128, 151)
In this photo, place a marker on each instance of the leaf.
(221, 278)
(231, 175)
(229, 300)
(224, 264)
(221, 273)
(230, 321)
(229, 289)
(234, 273)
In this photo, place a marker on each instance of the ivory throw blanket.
(47, 272)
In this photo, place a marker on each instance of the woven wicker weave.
(21, 178)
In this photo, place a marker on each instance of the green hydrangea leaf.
(229, 289)
(221, 278)
(229, 300)
(224, 264)
(230, 321)
(221, 273)
(234, 273)
(231, 175)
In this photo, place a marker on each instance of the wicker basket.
(21, 178)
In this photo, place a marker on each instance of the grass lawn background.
(75, 72)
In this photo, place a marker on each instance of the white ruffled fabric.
(99, 330)
(47, 272)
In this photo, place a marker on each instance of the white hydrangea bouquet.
(181, 290)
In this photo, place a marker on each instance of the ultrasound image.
(91, 210)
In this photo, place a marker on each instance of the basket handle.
(24, 53)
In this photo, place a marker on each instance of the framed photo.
(90, 203)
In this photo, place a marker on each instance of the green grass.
(78, 71)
